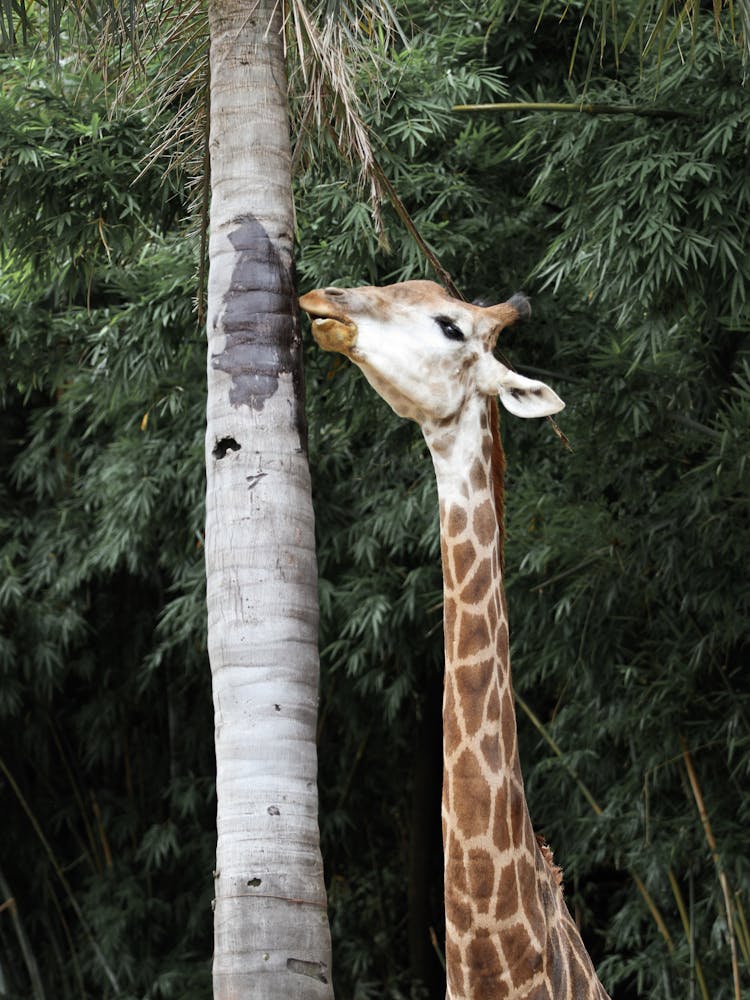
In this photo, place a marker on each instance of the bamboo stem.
(411, 227)
(654, 911)
(436, 946)
(676, 892)
(539, 725)
(24, 944)
(577, 108)
(743, 934)
(61, 876)
(723, 880)
(650, 904)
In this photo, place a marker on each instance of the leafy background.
(626, 558)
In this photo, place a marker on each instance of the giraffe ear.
(524, 397)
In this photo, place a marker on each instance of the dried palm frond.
(327, 45)
(332, 43)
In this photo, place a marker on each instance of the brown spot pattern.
(491, 751)
(509, 732)
(484, 523)
(558, 977)
(454, 968)
(492, 617)
(523, 958)
(471, 801)
(456, 521)
(475, 590)
(481, 879)
(487, 972)
(501, 641)
(479, 475)
(458, 909)
(451, 728)
(507, 901)
(464, 556)
(447, 575)
(473, 635)
(449, 623)
(475, 678)
(493, 707)
(501, 835)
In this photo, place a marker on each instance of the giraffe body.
(509, 935)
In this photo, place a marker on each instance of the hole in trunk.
(224, 445)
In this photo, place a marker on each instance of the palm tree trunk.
(271, 937)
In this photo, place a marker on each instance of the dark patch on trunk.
(260, 321)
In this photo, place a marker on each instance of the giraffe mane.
(498, 475)
(557, 872)
(498, 488)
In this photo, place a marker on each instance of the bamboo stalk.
(69, 940)
(91, 854)
(61, 876)
(102, 832)
(411, 227)
(676, 892)
(723, 880)
(539, 725)
(648, 900)
(654, 911)
(577, 108)
(24, 944)
(743, 935)
(436, 946)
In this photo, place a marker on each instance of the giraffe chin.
(334, 334)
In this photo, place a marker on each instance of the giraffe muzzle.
(332, 329)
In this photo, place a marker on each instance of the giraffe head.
(425, 352)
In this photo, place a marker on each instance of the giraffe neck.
(488, 842)
(502, 897)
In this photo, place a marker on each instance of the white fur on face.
(412, 364)
(425, 352)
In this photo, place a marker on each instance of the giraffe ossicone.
(509, 935)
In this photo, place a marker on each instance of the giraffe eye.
(449, 328)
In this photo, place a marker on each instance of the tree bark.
(271, 936)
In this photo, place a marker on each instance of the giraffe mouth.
(331, 327)
(320, 310)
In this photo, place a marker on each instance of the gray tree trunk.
(271, 936)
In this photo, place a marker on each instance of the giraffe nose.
(334, 293)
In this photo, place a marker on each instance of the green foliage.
(626, 560)
(627, 577)
(104, 698)
(635, 546)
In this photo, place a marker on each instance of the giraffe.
(509, 935)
